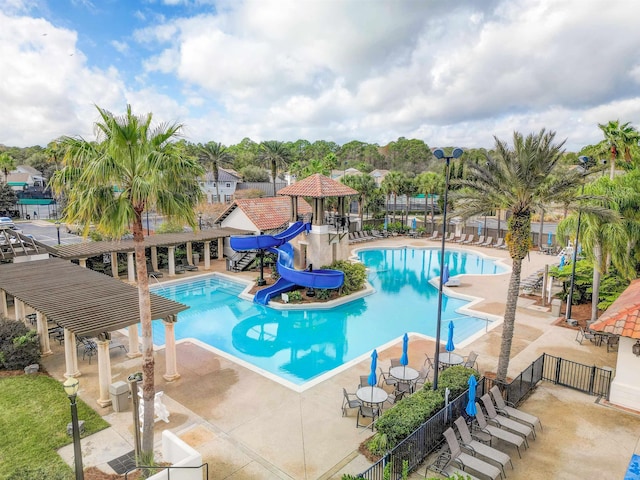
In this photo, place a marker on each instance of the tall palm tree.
(214, 155)
(619, 139)
(429, 183)
(275, 155)
(149, 170)
(518, 179)
(365, 184)
(7, 163)
(391, 185)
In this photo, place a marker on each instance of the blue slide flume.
(289, 276)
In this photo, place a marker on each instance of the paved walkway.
(249, 427)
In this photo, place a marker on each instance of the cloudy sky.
(447, 72)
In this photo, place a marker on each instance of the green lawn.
(34, 413)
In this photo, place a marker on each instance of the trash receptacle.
(196, 258)
(556, 303)
(119, 393)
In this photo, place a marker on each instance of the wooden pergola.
(84, 303)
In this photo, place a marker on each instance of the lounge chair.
(480, 241)
(467, 461)
(499, 243)
(496, 432)
(461, 239)
(490, 454)
(151, 272)
(510, 411)
(349, 402)
(505, 422)
(451, 237)
(445, 467)
(185, 264)
(469, 239)
(116, 344)
(487, 242)
(434, 236)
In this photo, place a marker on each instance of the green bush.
(355, 275)
(323, 293)
(19, 346)
(456, 379)
(295, 296)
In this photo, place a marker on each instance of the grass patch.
(34, 413)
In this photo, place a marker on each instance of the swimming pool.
(300, 345)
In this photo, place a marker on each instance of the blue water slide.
(306, 278)
(262, 242)
(281, 286)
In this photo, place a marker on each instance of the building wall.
(625, 388)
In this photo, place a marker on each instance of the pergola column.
(43, 334)
(189, 253)
(172, 261)
(220, 248)
(207, 255)
(104, 370)
(4, 308)
(171, 367)
(18, 309)
(294, 209)
(70, 354)
(114, 265)
(134, 343)
(154, 258)
(82, 262)
(131, 268)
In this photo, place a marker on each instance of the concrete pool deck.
(249, 427)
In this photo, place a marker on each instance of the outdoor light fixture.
(200, 220)
(636, 348)
(585, 166)
(58, 228)
(439, 154)
(71, 386)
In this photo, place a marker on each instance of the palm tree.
(365, 184)
(518, 179)
(7, 163)
(149, 170)
(429, 183)
(391, 185)
(276, 155)
(214, 155)
(619, 139)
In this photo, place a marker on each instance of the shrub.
(355, 275)
(295, 296)
(19, 346)
(456, 379)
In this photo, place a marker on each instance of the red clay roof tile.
(317, 186)
(623, 316)
(270, 213)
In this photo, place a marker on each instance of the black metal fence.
(428, 436)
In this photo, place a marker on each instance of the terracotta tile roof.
(270, 213)
(317, 186)
(623, 316)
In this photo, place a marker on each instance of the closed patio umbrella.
(373, 379)
(413, 224)
(450, 347)
(471, 404)
(404, 359)
(445, 274)
(549, 238)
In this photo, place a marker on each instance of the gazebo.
(83, 303)
(322, 246)
(623, 318)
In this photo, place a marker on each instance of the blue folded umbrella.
(373, 379)
(404, 359)
(471, 404)
(445, 274)
(450, 347)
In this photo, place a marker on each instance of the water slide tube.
(289, 277)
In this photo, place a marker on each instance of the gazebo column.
(43, 334)
(189, 253)
(134, 343)
(171, 367)
(70, 354)
(221, 248)
(104, 369)
(131, 268)
(207, 255)
(114, 265)
(172, 261)
(294, 209)
(19, 309)
(82, 262)
(4, 308)
(154, 258)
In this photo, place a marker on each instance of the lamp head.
(457, 152)
(71, 386)
(438, 153)
(583, 159)
(636, 348)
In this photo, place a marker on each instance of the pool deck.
(249, 427)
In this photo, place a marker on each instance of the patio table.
(372, 395)
(450, 359)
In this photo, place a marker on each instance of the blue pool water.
(300, 345)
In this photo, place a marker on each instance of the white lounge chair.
(505, 422)
(496, 432)
(510, 411)
(467, 461)
(492, 455)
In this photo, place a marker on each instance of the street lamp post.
(585, 166)
(148, 231)
(439, 154)
(71, 386)
(200, 220)
(58, 229)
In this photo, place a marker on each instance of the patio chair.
(151, 272)
(589, 335)
(470, 360)
(185, 264)
(505, 422)
(89, 347)
(364, 381)
(509, 410)
(467, 461)
(349, 401)
(496, 432)
(385, 379)
(428, 362)
(116, 344)
(490, 454)
(612, 342)
(423, 376)
(395, 362)
(367, 411)
(445, 467)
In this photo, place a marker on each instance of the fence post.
(592, 379)
(558, 365)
